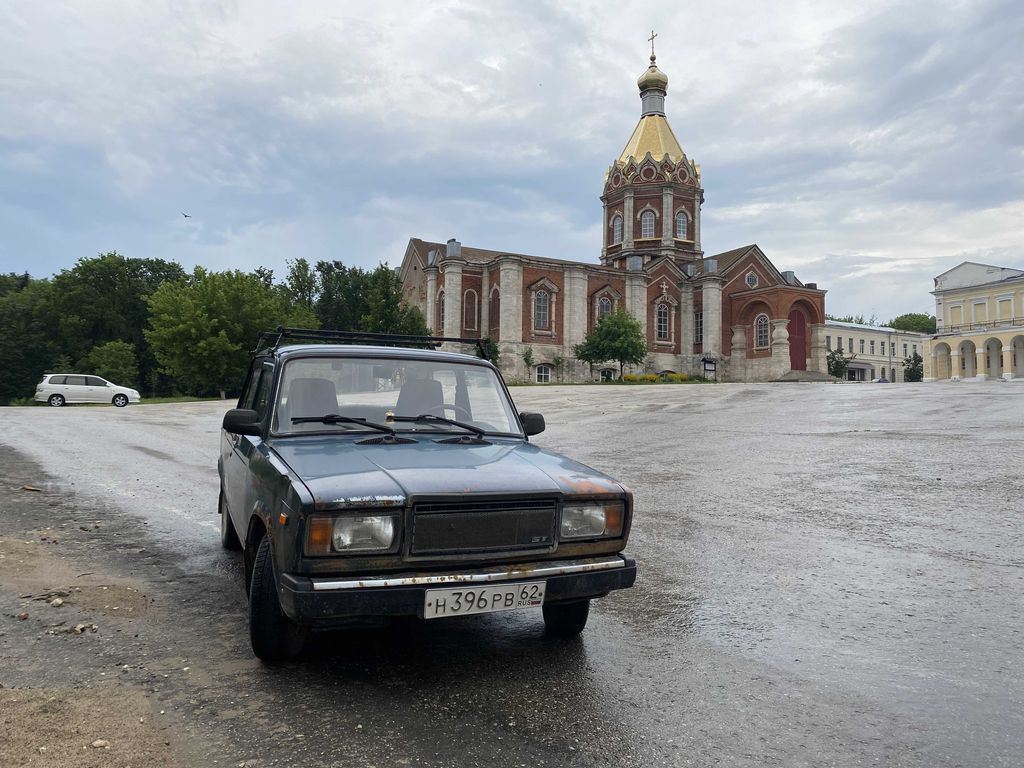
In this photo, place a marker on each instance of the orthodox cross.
(651, 40)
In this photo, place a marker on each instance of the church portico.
(735, 307)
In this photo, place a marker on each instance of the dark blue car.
(372, 481)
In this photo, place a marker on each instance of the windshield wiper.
(429, 417)
(334, 418)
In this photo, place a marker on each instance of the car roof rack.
(271, 340)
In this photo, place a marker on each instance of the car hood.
(339, 473)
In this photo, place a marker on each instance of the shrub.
(649, 378)
(631, 377)
(676, 378)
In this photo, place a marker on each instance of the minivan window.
(95, 381)
(76, 381)
(58, 379)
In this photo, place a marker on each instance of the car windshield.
(381, 391)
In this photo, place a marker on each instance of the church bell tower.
(652, 192)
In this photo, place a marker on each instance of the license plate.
(463, 601)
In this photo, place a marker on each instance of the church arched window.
(469, 310)
(604, 308)
(681, 222)
(495, 311)
(661, 316)
(616, 229)
(761, 335)
(540, 310)
(647, 224)
(440, 311)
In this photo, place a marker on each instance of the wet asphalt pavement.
(829, 575)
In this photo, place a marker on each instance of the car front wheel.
(56, 400)
(273, 635)
(566, 619)
(120, 400)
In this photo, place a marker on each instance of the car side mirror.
(243, 421)
(533, 423)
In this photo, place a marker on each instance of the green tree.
(913, 367)
(491, 351)
(114, 361)
(860, 319)
(528, 358)
(29, 345)
(919, 322)
(838, 363)
(341, 302)
(302, 286)
(201, 329)
(385, 309)
(617, 337)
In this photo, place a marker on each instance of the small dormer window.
(752, 280)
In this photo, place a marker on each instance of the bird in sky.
(186, 215)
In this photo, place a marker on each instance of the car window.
(381, 389)
(76, 381)
(261, 392)
(57, 379)
(95, 381)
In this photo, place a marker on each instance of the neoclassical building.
(736, 308)
(979, 313)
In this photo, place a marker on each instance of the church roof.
(480, 255)
(652, 134)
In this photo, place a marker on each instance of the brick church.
(736, 308)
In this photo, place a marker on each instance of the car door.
(74, 389)
(237, 450)
(97, 390)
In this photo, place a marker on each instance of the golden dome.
(653, 78)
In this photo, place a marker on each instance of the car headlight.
(351, 533)
(592, 519)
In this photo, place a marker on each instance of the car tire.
(274, 637)
(228, 534)
(566, 619)
(56, 400)
(120, 401)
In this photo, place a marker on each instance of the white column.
(667, 219)
(485, 303)
(712, 308)
(431, 311)
(780, 348)
(980, 357)
(738, 353)
(452, 298)
(1007, 362)
(636, 298)
(819, 355)
(954, 365)
(686, 319)
(574, 309)
(697, 201)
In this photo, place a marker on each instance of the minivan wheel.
(228, 535)
(120, 400)
(273, 635)
(566, 619)
(56, 400)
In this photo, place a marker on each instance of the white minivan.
(60, 388)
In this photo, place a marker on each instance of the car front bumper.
(324, 602)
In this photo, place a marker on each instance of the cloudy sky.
(867, 145)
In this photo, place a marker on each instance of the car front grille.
(441, 528)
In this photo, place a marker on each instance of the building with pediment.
(735, 308)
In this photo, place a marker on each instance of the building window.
(828, 343)
(851, 345)
(681, 225)
(883, 372)
(761, 335)
(892, 348)
(839, 343)
(698, 327)
(543, 374)
(862, 346)
(440, 311)
(905, 350)
(751, 280)
(604, 308)
(872, 346)
(540, 310)
(495, 311)
(662, 321)
(915, 349)
(616, 229)
(469, 310)
(647, 224)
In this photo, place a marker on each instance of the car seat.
(308, 397)
(419, 396)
